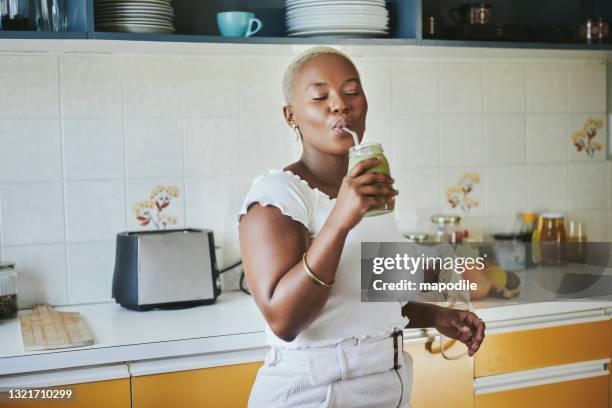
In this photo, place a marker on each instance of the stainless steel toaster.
(165, 269)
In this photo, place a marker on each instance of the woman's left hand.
(461, 325)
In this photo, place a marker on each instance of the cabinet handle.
(444, 346)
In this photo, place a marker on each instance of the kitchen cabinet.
(224, 386)
(529, 349)
(591, 392)
(561, 366)
(439, 382)
(97, 394)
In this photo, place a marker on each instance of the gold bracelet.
(312, 277)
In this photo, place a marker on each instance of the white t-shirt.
(344, 315)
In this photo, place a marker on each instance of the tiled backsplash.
(84, 139)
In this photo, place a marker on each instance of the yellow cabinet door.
(536, 348)
(98, 394)
(439, 382)
(589, 392)
(217, 387)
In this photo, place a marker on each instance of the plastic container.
(510, 251)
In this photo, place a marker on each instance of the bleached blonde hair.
(301, 60)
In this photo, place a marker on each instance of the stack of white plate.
(134, 16)
(345, 18)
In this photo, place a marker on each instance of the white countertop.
(227, 332)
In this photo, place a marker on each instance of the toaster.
(165, 269)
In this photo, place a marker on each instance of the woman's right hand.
(359, 192)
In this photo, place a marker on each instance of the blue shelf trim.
(521, 45)
(43, 35)
(251, 40)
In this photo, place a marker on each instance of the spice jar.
(446, 229)
(8, 290)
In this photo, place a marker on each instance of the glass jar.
(8, 290)
(18, 15)
(548, 239)
(366, 151)
(446, 228)
(52, 15)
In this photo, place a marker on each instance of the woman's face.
(328, 96)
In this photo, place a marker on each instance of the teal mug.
(238, 23)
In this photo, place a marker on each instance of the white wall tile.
(415, 141)
(506, 190)
(95, 210)
(30, 150)
(504, 87)
(546, 138)
(212, 202)
(504, 139)
(139, 190)
(32, 82)
(376, 82)
(90, 269)
(230, 247)
(415, 87)
(211, 146)
(587, 87)
(460, 140)
(501, 224)
(576, 124)
(547, 87)
(547, 187)
(265, 143)
(210, 86)
(90, 86)
(460, 87)
(419, 198)
(154, 147)
(260, 86)
(472, 203)
(586, 186)
(379, 129)
(151, 86)
(93, 149)
(32, 213)
(41, 274)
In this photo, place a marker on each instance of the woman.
(300, 235)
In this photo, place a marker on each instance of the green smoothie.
(366, 151)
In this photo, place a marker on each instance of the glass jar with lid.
(446, 228)
(8, 290)
(366, 151)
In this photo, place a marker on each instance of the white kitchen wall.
(83, 139)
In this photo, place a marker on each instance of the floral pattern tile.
(585, 139)
(461, 194)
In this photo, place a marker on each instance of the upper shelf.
(195, 23)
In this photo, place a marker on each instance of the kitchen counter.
(227, 332)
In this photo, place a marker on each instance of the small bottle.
(366, 151)
(8, 290)
(526, 231)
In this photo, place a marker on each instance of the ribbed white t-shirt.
(344, 315)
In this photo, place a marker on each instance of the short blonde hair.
(301, 60)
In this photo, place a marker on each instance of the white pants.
(352, 374)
